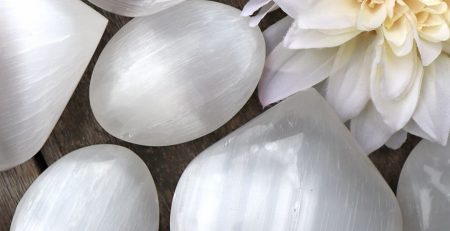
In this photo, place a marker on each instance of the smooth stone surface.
(45, 47)
(96, 188)
(177, 75)
(295, 167)
(424, 188)
(134, 8)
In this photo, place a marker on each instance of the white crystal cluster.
(44, 50)
(176, 75)
(295, 167)
(424, 188)
(97, 188)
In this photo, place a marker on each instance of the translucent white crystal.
(97, 188)
(44, 50)
(176, 75)
(424, 188)
(295, 167)
(135, 8)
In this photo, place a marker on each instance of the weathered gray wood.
(13, 184)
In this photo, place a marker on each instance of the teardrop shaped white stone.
(295, 167)
(134, 8)
(424, 188)
(176, 75)
(97, 188)
(45, 48)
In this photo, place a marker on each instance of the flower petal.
(252, 6)
(298, 38)
(397, 140)
(369, 129)
(397, 112)
(433, 111)
(429, 51)
(274, 34)
(348, 84)
(254, 21)
(328, 14)
(397, 77)
(414, 129)
(370, 18)
(289, 71)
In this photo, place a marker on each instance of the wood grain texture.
(78, 128)
(13, 184)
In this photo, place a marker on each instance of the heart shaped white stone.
(135, 8)
(45, 48)
(100, 187)
(295, 167)
(176, 75)
(424, 188)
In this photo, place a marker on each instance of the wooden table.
(78, 128)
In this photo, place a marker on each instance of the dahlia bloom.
(382, 64)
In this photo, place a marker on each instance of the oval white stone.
(176, 75)
(45, 48)
(96, 188)
(295, 167)
(424, 188)
(135, 8)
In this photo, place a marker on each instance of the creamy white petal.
(298, 38)
(254, 21)
(135, 8)
(398, 111)
(369, 129)
(429, 51)
(275, 34)
(289, 71)
(400, 37)
(293, 8)
(397, 140)
(369, 18)
(44, 50)
(328, 14)
(433, 110)
(413, 128)
(397, 74)
(348, 84)
(252, 6)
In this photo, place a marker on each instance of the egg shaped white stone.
(176, 75)
(96, 188)
(134, 8)
(424, 188)
(45, 47)
(294, 168)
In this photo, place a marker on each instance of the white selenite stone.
(176, 75)
(424, 188)
(96, 188)
(295, 167)
(135, 8)
(45, 47)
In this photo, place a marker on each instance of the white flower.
(385, 63)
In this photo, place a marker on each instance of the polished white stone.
(176, 75)
(96, 188)
(295, 167)
(424, 188)
(135, 8)
(45, 47)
